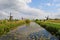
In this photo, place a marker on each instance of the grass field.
(53, 26)
(6, 26)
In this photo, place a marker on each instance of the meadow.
(53, 26)
(6, 26)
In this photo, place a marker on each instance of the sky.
(32, 9)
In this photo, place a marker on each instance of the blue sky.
(46, 5)
(31, 9)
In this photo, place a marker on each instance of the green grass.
(52, 27)
(6, 26)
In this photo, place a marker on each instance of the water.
(42, 35)
(29, 32)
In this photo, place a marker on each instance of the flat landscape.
(53, 26)
(29, 32)
(29, 19)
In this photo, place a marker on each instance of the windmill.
(47, 18)
(10, 17)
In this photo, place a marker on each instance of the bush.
(6, 26)
(27, 21)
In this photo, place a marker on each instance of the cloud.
(48, 4)
(20, 8)
(3, 15)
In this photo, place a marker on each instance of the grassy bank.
(53, 26)
(6, 26)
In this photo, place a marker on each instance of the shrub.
(6, 26)
(27, 21)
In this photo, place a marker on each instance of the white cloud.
(20, 8)
(25, 1)
(3, 15)
(49, 4)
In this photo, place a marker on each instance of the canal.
(29, 32)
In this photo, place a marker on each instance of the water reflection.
(29, 32)
(41, 35)
(28, 25)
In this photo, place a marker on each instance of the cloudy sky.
(30, 8)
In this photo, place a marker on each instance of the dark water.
(29, 32)
(42, 35)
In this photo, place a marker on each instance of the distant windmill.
(22, 18)
(47, 18)
(10, 17)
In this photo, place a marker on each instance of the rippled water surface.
(29, 32)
